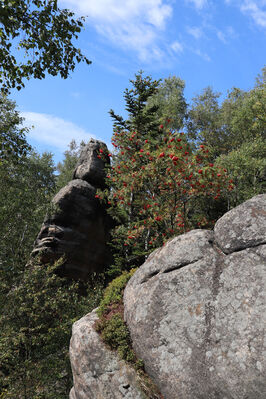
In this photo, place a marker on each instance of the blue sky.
(205, 42)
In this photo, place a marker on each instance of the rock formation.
(196, 309)
(79, 226)
(98, 373)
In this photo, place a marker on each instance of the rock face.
(79, 227)
(89, 167)
(97, 371)
(196, 309)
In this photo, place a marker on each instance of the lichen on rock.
(196, 309)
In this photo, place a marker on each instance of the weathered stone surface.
(247, 226)
(90, 168)
(98, 373)
(197, 316)
(79, 227)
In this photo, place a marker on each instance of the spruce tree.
(141, 118)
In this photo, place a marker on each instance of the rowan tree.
(153, 189)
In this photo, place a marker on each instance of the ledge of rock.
(79, 226)
(98, 373)
(196, 309)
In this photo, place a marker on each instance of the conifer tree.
(141, 117)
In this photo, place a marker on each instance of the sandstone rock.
(196, 310)
(79, 226)
(246, 227)
(97, 371)
(90, 168)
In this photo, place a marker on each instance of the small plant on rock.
(115, 334)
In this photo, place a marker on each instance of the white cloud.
(202, 55)
(199, 4)
(176, 47)
(227, 34)
(53, 131)
(256, 9)
(130, 24)
(194, 31)
(221, 36)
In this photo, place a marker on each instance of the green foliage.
(13, 143)
(235, 132)
(154, 188)
(27, 183)
(38, 311)
(44, 33)
(111, 325)
(26, 190)
(37, 308)
(141, 117)
(171, 104)
(113, 294)
(115, 334)
(224, 127)
(203, 124)
(247, 169)
(67, 166)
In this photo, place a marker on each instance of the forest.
(176, 165)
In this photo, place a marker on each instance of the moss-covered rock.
(114, 332)
(111, 325)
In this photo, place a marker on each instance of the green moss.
(114, 292)
(115, 334)
(111, 324)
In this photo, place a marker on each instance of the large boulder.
(79, 226)
(90, 167)
(196, 309)
(98, 373)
